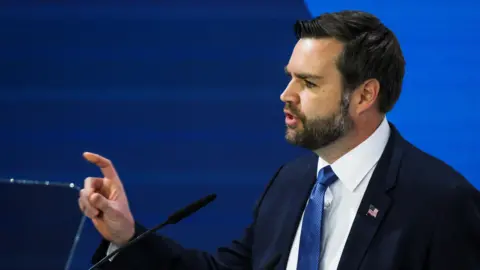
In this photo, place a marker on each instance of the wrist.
(127, 237)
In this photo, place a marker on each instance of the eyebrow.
(303, 75)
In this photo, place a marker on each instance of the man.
(364, 199)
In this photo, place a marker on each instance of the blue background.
(183, 97)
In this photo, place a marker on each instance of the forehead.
(315, 55)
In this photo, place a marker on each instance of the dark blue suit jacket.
(429, 218)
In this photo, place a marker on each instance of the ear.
(366, 95)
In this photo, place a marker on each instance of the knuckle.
(90, 212)
(87, 180)
(94, 200)
(106, 161)
(84, 193)
(83, 205)
(92, 197)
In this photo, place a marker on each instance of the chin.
(291, 135)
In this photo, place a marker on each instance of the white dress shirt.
(343, 197)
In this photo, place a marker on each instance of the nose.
(290, 94)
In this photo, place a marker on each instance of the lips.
(290, 119)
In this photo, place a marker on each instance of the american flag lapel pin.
(372, 211)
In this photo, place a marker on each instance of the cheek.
(319, 105)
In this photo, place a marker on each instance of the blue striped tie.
(311, 236)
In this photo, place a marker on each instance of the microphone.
(270, 265)
(172, 219)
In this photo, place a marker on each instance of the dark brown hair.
(371, 51)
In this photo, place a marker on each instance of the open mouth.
(290, 119)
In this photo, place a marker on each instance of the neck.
(359, 133)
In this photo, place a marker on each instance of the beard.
(320, 132)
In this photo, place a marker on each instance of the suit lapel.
(374, 206)
(303, 176)
(363, 230)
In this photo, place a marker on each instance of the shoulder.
(437, 182)
(443, 201)
(426, 168)
(453, 200)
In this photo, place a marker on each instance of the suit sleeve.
(159, 252)
(456, 238)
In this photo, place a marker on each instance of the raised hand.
(103, 199)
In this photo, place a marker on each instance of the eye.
(309, 84)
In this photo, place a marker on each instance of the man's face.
(316, 107)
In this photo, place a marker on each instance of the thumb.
(100, 202)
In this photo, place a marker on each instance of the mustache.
(294, 111)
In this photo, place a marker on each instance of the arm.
(159, 252)
(456, 238)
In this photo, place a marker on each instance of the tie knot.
(326, 176)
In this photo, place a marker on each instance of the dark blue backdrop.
(183, 97)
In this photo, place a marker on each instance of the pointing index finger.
(104, 164)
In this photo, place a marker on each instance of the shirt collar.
(352, 167)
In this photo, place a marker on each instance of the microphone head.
(190, 209)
